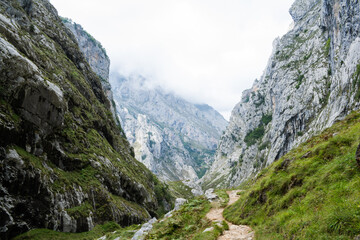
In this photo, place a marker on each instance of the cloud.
(207, 51)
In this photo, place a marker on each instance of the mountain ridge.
(64, 163)
(172, 137)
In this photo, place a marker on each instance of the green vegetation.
(260, 100)
(185, 223)
(162, 193)
(310, 193)
(266, 119)
(199, 154)
(189, 223)
(179, 190)
(99, 231)
(223, 197)
(213, 234)
(264, 146)
(327, 47)
(356, 81)
(253, 136)
(299, 80)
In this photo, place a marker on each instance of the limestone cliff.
(64, 164)
(312, 79)
(96, 56)
(174, 138)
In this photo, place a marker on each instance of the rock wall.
(97, 58)
(174, 138)
(64, 164)
(311, 81)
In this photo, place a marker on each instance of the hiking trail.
(235, 232)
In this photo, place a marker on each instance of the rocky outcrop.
(64, 164)
(311, 81)
(175, 139)
(96, 56)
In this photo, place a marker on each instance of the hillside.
(311, 81)
(310, 193)
(64, 163)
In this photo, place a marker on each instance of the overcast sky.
(207, 51)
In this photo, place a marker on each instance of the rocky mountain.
(312, 80)
(174, 138)
(64, 164)
(96, 56)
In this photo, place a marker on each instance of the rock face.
(175, 139)
(96, 56)
(64, 164)
(312, 79)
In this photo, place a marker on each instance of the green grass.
(214, 234)
(99, 231)
(299, 81)
(179, 190)
(253, 136)
(327, 47)
(185, 223)
(356, 81)
(190, 222)
(310, 193)
(223, 197)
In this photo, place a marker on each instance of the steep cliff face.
(63, 162)
(312, 80)
(172, 137)
(96, 56)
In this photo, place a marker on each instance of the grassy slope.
(99, 231)
(179, 190)
(188, 223)
(313, 192)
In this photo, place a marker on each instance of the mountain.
(311, 81)
(64, 163)
(174, 138)
(96, 56)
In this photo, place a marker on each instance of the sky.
(206, 51)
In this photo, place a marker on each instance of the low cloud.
(207, 51)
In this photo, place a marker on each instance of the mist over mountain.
(174, 138)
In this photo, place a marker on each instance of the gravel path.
(235, 232)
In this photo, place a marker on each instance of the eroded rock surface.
(174, 138)
(64, 164)
(311, 81)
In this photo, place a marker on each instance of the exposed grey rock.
(310, 82)
(209, 229)
(96, 56)
(175, 139)
(210, 195)
(64, 164)
(144, 230)
(179, 202)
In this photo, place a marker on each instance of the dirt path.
(235, 232)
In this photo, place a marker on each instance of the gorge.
(86, 151)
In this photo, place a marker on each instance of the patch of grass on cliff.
(99, 231)
(253, 136)
(356, 81)
(179, 190)
(327, 47)
(185, 223)
(310, 193)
